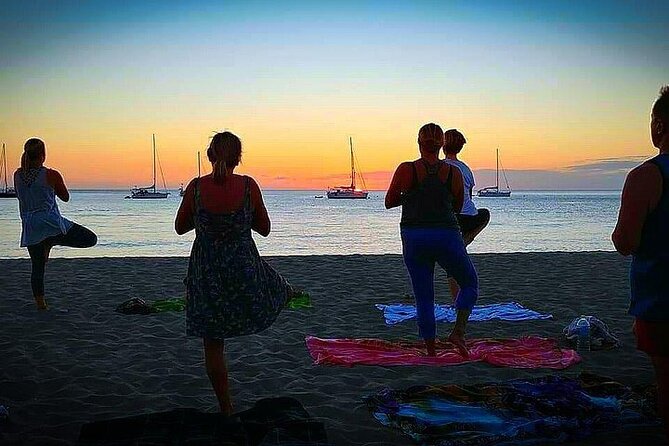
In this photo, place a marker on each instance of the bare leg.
(457, 336)
(454, 287)
(217, 370)
(430, 347)
(661, 364)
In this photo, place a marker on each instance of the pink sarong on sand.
(530, 352)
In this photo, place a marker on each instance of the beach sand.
(80, 361)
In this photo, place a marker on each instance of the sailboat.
(182, 191)
(5, 191)
(349, 192)
(150, 192)
(495, 191)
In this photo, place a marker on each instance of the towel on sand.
(272, 421)
(507, 311)
(525, 353)
(548, 409)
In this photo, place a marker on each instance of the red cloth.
(524, 353)
(652, 337)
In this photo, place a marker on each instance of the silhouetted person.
(471, 220)
(230, 290)
(431, 193)
(42, 226)
(643, 232)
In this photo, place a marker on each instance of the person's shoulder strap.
(197, 193)
(247, 191)
(414, 180)
(449, 179)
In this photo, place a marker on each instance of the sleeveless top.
(231, 290)
(40, 216)
(468, 206)
(649, 274)
(429, 203)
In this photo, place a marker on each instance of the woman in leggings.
(42, 226)
(431, 193)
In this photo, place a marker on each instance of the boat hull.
(149, 196)
(337, 195)
(501, 194)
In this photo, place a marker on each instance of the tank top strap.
(198, 205)
(432, 170)
(247, 192)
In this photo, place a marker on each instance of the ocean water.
(305, 225)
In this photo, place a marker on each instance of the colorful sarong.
(525, 353)
(507, 311)
(549, 409)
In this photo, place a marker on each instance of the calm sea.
(303, 224)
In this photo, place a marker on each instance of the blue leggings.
(422, 248)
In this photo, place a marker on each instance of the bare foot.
(227, 409)
(41, 303)
(457, 338)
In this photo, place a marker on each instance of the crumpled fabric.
(600, 335)
(548, 409)
(507, 311)
(524, 353)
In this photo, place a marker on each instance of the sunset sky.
(564, 91)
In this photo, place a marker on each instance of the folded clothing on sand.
(548, 409)
(600, 335)
(271, 421)
(507, 311)
(527, 352)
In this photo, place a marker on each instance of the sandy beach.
(80, 361)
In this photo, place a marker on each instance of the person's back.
(39, 211)
(429, 202)
(468, 206)
(650, 262)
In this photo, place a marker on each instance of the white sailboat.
(150, 192)
(495, 191)
(349, 192)
(6, 191)
(182, 191)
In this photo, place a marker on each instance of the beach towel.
(548, 409)
(525, 353)
(271, 421)
(600, 335)
(507, 311)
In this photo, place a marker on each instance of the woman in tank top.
(42, 226)
(431, 193)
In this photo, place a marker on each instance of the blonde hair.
(431, 137)
(224, 152)
(453, 141)
(34, 151)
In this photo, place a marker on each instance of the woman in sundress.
(231, 290)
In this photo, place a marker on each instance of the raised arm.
(184, 220)
(641, 194)
(55, 180)
(400, 183)
(261, 222)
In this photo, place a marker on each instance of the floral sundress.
(231, 290)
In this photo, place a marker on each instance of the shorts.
(469, 223)
(652, 337)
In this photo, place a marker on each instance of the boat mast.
(153, 136)
(350, 141)
(497, 171)
(4, 165)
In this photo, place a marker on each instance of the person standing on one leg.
(430, 193)
(471, 220)
(42, 226)
(230, 290)
(643, 232)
